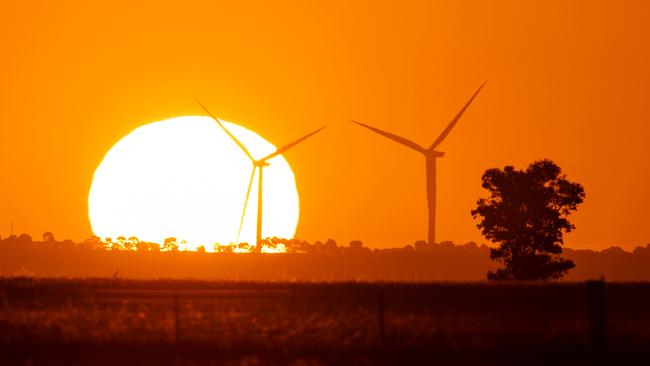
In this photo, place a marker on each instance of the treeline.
(303, 261)
(275, 245)
(290, 246)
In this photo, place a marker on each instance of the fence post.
(382, 330)
(597, 319)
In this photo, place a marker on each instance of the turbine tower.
(430, 155)
(257, 164)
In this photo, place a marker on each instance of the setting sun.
(185, 178)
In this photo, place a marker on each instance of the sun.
(185, 178)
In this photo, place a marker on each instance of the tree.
(356, 246)
(170, 245)
(48, 237)
(25, 239)
(421, 245)
(94, 242)
(526, 214)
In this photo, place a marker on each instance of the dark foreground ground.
(129, 322)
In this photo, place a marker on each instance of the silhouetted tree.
(224, 248)
(121, 243)
(526, 213)
(48, 237)
(356, 244)
(25, 239)
(330, 247)
(421, 245)
(446, 245)
(356, 247)
(170, 245)
(147, 246)
(94, 242)
(67, 244)
(245, 247)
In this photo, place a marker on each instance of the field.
(408, 264)
(183, 322)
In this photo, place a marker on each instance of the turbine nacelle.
(260, 163)
(434, 154)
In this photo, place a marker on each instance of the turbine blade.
(239, 143)
(243, 214)
(453, 122)
(288, 146)
(399, 139)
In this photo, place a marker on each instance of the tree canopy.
(526, 214)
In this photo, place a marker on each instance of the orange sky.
(567, 81)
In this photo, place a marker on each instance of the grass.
(109, 321)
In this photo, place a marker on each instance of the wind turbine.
(257, 164)
(430, 155)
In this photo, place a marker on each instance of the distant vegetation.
(304, 261)
(274, 245)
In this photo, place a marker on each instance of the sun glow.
(184, 178)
